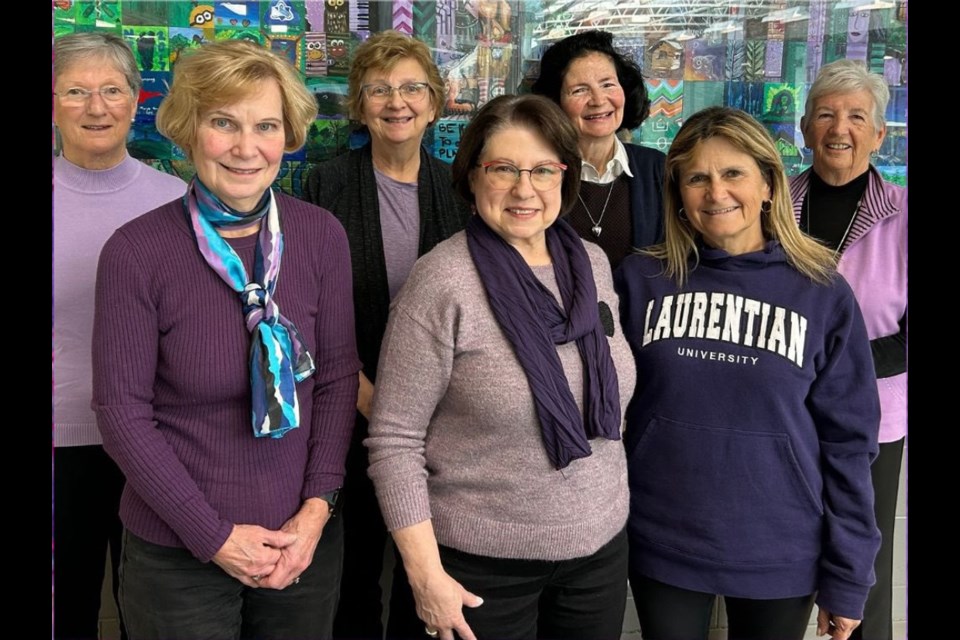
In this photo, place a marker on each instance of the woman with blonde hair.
(750, 436)
(225, 370)
(396, 203)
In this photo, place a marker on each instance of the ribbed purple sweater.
(171, 378)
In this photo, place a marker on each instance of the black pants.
(878, 614)
(166, 594)
(87, 487)
(578, 599)
(365, 534)
(671, 613)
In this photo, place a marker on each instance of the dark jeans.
(168, 594)
(365, 534)
(578, 599)
(87, 487)
(878, 614)
(671, 613)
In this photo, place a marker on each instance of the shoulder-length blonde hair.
(748, 136)
(383, 51)
(224, 72)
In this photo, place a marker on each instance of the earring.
(766, 206)
(682, 214)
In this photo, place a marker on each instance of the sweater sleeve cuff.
(403, 505)
(319, 484)
(204, 540)
(842, 598)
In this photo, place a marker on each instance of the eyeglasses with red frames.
(543, 177)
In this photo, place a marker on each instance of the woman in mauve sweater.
(97, 187)
(225, 370)
(494, 439)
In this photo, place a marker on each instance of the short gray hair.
(79, 48)
(846, 76)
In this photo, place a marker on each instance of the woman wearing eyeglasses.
(494, 439)
(97, 188)
(396, 203)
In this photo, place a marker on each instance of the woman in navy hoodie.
(750, 436)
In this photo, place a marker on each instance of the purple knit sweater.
(171, 382)
(88, 206)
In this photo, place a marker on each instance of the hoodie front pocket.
(725, 495)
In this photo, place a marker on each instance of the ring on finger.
(256, 578)
(433, 633)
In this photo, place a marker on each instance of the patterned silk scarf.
(278, 357)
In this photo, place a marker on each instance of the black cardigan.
(347, 187)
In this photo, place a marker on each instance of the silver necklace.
(596, 229)
(846, 233)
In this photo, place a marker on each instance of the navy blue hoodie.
(751, 432)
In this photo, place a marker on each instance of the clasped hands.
(264, 558)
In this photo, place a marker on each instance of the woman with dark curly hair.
(602, 92)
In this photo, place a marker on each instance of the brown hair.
(227, 71)
(536, 113)
(383, 51)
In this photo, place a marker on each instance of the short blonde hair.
(748, 136)
(227, 71)
(383, 51)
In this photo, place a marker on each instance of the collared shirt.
(617, 165)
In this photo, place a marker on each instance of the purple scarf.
(534, 323)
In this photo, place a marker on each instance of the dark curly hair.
(557, 60)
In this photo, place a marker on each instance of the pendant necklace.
(596, 229)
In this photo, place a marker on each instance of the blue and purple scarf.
(278, 357)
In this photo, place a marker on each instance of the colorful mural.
(485, 48)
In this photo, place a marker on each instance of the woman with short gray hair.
(844, 202)
(97, 188)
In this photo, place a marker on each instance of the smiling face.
(397, 122)
(842, 133)
(94, 134)
(722, 189)
(239, 147)
(592, 97)
(520, 214)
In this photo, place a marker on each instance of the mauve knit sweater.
(454, 434)
(171, 378)
(88, 206)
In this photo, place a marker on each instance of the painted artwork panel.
(100, 14)
(282, 17)
(446, 138)
(704, 60)
(331, 95)
(236, 15)
(315, 57)
(666, 114)
(327, 138)
(146, 12)
(150, 47)
(288, 46)
(183, 39)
